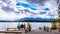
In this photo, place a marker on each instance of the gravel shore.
(37, 31)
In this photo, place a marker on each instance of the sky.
(17, 9)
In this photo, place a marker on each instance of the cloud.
(41, 13)
(29, 8)
(7, 9)
(5, 0)
(41, 2)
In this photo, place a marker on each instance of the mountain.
(26, 19)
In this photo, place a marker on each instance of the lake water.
(34, 25)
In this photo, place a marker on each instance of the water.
(34, 25)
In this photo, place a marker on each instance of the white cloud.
(13, 16)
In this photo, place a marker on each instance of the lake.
(34, 25)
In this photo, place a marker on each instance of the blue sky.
(18, 9)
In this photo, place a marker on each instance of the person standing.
(22, 29)
(44, 28)
(47, 29)
(29, 27)
(24, 26)
(18, 26)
